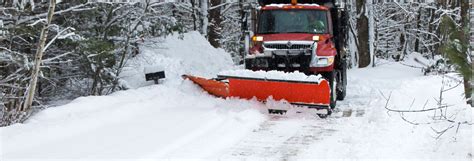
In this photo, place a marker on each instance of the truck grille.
(287, 47)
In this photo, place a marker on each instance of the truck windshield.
(292, 21)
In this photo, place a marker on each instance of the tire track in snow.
(280, 138)
(284, 138)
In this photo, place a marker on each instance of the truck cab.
(307, 37)
(286, 36)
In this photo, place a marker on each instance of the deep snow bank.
(190, 54)
(173, 120)
(157, 122)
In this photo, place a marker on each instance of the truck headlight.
(325, 60)
(315, 38)
(257, 38)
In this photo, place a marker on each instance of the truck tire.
(341, 85)
(323, 116)
(341, 94)
(341, 68)
(332, 78)
(247, 64)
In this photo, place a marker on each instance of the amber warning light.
(257, 38)
(293, 2)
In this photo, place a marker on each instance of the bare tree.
(363, 34)
(38, 59)
(214, 33)
(204, 17)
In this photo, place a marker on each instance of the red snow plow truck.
(307, 36)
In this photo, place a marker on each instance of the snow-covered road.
(362, 128)
(178, 121)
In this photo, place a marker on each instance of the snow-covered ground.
(178, 55)
(176, 120)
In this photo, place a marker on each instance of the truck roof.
(297, 6)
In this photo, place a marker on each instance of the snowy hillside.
(176, 120)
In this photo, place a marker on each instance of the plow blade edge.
(311, 94)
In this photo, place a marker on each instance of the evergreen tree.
(456, 47)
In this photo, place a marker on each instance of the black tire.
(323, 116)
(341, 85)
(331, 77)
(341, 95)
(341, 80)
(247, 64)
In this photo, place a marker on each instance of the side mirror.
(247, 39)
(328, 39)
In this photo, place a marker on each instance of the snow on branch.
(440, 111)
(43, 15)
(60, 35)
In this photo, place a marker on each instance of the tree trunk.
(243, 27)
(430, 30)
(95, 91)
(465, 14)
(363, 34)
(204, 18)
(193, 5)
(39, 55)
(465, 23)
(214, 33)
(417, 40)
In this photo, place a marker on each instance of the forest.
(53, 50)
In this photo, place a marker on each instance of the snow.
(274, 75)
(382, 135)
(153, 69)
(150, 122)
(171, 120)
(190, 55)
(176, 120)
(277, 5)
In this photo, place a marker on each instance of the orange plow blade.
(214, 87)
(310, 94)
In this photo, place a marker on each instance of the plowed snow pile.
(173, 120)
(190, 54)
(276, 75)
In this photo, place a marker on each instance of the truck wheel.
(331, 77)
(342, 80)
(247, 64)
(341, 85)
(341, 95)
(323, 116)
